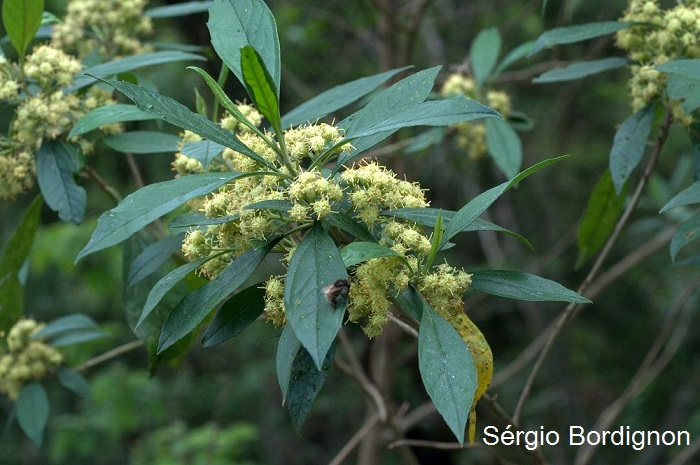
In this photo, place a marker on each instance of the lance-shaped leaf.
(603, 210)
(685, 88)
(33, 411)
(21, 19)
(148, 204)
(234, 24)
(143, 142)
(153, 257)
(349, 225)
(629, 144)
(358, 252)
(12, 260)
(428, 217)
(195, 307)
(235, 315)
(315, 265)
(336, 98)
(305, 383)
(287, 349)
(687, 232)
(74, 382)
(116, 113)
(123, 65)
(175, 113)
(688, 68)
(181, 9)
(577, 33)
(483, 53)
(504, 146)
(515, 55)
(55, 165)
(580, 69)
(523, 286)
(202, 150)
(259, 84)
(69, 330)
(447, 370)
(687, 196)
(471, 211)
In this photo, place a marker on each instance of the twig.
(135, 170)
(356, 372)
(669, 339)
(408, 329)
(354, 440)
(110, 354)
(571, 309)
(686, 454)
(111, 191)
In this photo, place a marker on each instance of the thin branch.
(110, 354)
(354, 440)
(356, 372)
(686, 454)
(408, 329)
(669, 340)
(90, 173)
(572, 308)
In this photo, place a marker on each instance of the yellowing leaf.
(483, 359)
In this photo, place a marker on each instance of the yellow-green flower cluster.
(312, 195)
(274, 301)
(50, 66)
(444, 289)
(664, 35)
(43, 112)
(112, 27)
(230, 123)
(25, 359)
(471, 137)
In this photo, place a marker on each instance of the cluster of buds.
(265, 204)
(26, 358)
(112, 27)
(471, 137)
(661, 36)
(43, 110)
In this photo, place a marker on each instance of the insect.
(337, 293)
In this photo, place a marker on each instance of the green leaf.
(471, 211)
(22, 19)
(447, 370)
(523, 286)
(336, 98)
(603, 210)
(454, 110)
(55, 165)
(315, 265)
(629, 144)
(687, 196)
(234, 24)
(577, 33)
(428, 217)
(198, 219)
(75, 322)
(358, 252)
(116, 113)
(203, 150)
(123, 65)
(181, 9)
(143, 142)
(305, 383)
(685, 234)
(148, 204)
(349, 225)
(77, 337)
(74, 382)
(484, 53)
(684, 88)
(505, 146)
(408, 92)
(195, 307)
(276, 205)
(33, 411)
(287, 350)
(438, 231)
(411, 301)
(153, 257)
(688, 68)
(165, 284)
(515, 55)
(259, 84)
(235, 315)
(580, 69)
(12, 260)
(175, 113)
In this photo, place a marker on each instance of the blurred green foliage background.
(222, 405)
